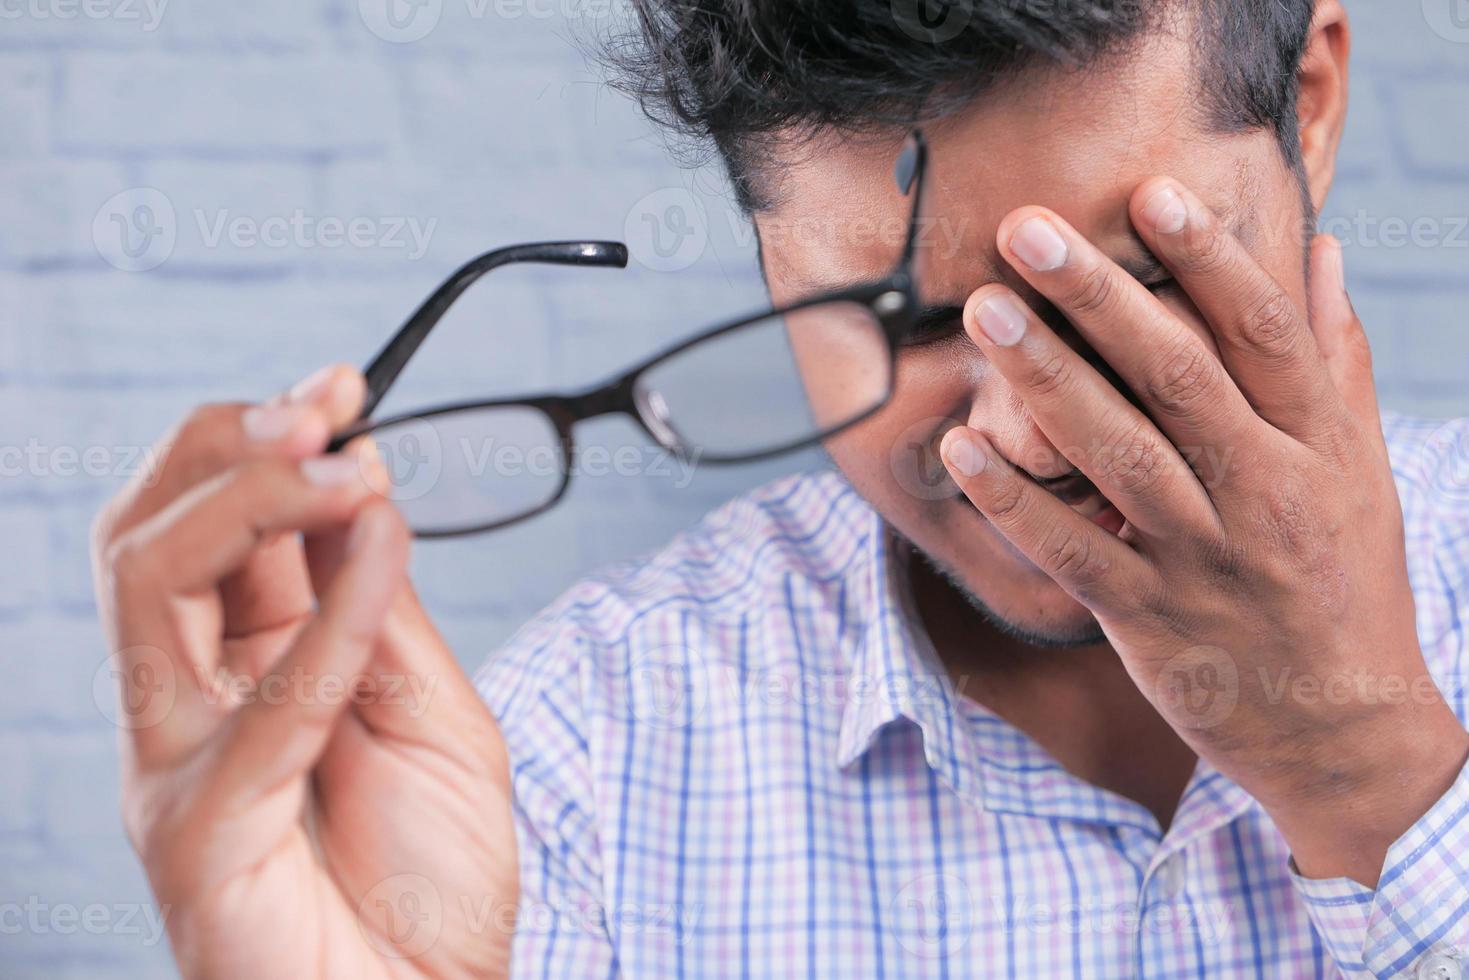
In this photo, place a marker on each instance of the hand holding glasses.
(741, 391)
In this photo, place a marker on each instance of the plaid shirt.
(739, 758)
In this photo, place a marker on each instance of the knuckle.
(206, 437)
(1204, 250)
(1092, 291)
(1051, 374)
(1224, 559)
(131, 562)
(1137, 463)
(1183, 377)
(1008, 501)
(1270, 326)
(1071, 555)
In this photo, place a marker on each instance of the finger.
(1264, 339)
(214, 437)
(1086, 418)
(278, 738)
(160, 577)
(1339, 332)
(266, 601)
(271, 590)
(1176, 377)
(412, 667)
(1097, 568)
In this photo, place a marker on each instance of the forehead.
(1076, 142)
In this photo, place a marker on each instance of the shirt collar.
(894, 673)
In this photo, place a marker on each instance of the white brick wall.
(488, 129)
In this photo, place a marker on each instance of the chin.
(1005, 587)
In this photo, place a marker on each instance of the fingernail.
(966, 456)
(313, 386)
(1166, 211)
(1039, 245)
(266, 423)
(1001, 319)
(331, 471)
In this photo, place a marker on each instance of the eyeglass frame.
(892, 300)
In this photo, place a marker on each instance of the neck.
(1078, 703)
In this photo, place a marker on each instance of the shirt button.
(1441, 966)
(1168, 878)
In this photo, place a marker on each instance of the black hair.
(732, 75)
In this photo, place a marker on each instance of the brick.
(1431, 149)
(24, 94)
(53, 207)
(238, 215)
(19, 809)
(25, 572)
(105, 96)
(1414, 233)
(256, 24)
(50, 664)
(489, 30)
(79, 793)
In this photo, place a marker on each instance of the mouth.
(1082, 496)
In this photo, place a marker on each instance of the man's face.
(1079, 144)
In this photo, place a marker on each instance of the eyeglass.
(756, 387)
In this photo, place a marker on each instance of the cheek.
(893, 457)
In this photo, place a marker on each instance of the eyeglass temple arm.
(915, 213)
(391, 360)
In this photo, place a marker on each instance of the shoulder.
(1430, 463)
(721, 575)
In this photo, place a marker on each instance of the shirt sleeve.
(1416, 923)
(561, 928)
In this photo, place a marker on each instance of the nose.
(1001, 415)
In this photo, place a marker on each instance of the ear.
(1321, 107)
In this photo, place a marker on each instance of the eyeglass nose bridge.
(653, 413)
(628, 397)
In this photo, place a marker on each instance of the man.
(1154, 684)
